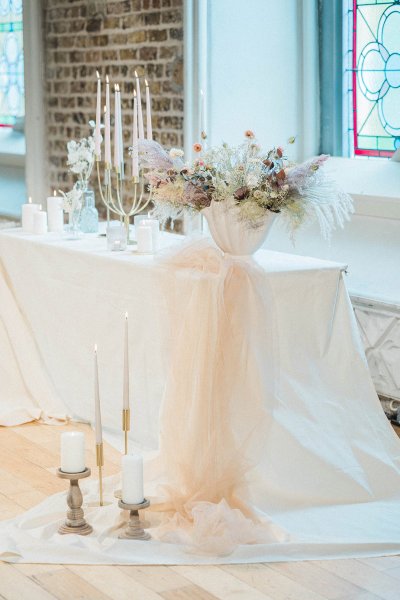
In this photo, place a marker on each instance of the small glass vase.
(89, 220)
(72, 230)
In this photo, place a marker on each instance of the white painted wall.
(256, 74)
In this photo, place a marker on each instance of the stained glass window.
(376, 77)
(11, 62)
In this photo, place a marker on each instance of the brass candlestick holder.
(100, 463)
(75, 521)
(134, 529)
(126, 425)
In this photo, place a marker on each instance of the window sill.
(374, 184)
(12, 148)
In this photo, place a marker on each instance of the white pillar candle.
(135, 152)
(126, 365)
(155, 229)
(97, 134)
(28, 211)
(40, 221)
(55, 214)
(144, 238)
(139, 105)
(149, 127)
(132, 479)
(107, 126)
(73, 452)
(117, 145)
(97, 415)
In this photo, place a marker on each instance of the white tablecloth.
(328, 477)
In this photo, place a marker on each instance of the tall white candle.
(117, 144)
(97, 134)
(132, 479)
(135, 153)
(126, 365)
(107, 126)
(121, 139)
(28, 210)
(55, 215)
(149, 128)
(40, 221)
(98, 428)
(73, 452)
(139, 104)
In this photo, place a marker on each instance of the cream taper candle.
(98, 427)
(132, 479)
(144, 238)
(73, 452)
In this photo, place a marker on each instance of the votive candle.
(40, 221)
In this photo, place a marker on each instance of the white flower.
(72, 199)
(176, 153)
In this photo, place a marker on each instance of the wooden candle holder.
(75, 521)
(134, 529)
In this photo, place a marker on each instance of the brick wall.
(115, 37)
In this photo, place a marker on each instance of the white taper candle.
(117, 144)
(149, 128)
(97, 134)
(107, 125)
(126, 365)
(98, 427)
(139, 104)
(135, 153)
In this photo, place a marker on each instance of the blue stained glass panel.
(12, 102)
(376, 77)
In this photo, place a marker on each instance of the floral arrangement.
(80, 162)
(248, 178)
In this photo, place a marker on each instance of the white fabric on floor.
(321, 469)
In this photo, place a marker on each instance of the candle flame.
(40, 207)
(147, 85)
(98, 74)
(134, 93)
(105, 109)
(30, 199)
(136, 75)
(116, 86)
(54, 193)
(95, 348)
(201, 93)
(107, 80)
(126, 316)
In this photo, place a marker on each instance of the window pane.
(376, 77)
(11, 62)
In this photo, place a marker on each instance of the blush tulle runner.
(272, 447)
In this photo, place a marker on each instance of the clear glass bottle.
(89, 214)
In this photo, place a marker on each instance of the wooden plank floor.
(30, 454)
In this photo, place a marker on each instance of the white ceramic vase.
(233, 236)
